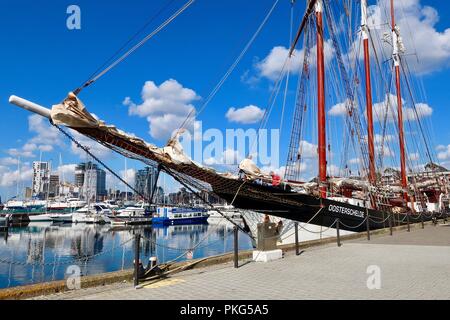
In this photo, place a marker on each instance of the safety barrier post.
(421, 219)
(338, 237)
(297, 249)
(137, 242)
(236, 249)
(407, 220)
(368, 226)
(390, 224)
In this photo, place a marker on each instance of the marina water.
(42, 252)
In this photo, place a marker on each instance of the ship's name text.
(344, 210)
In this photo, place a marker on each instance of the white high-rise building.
(41, 177)
(90, 184)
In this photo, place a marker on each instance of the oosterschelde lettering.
(344, 210)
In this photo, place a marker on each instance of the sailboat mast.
(321, 101)
(396, 58)
(370, 135)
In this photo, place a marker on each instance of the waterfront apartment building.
(54, 187)
(41, 178)
(144, 182)
(91, 180)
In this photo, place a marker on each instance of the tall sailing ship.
(342, 62)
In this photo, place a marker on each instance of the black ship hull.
(310, 209)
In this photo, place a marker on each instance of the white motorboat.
(229, 212)
(14, 205)
(61, 217)
(40, 217)
(70, 204)
(93, 213)
(131, 215)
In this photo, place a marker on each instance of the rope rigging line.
(187, 186)
(308, 222)
(169, 3)
(196, 247)
(289, 69)
(230, 70)
(135, 47)
(86, 149)
(379, 222)
(353, 227)
(294, 158)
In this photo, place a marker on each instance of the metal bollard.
(368, 226)
(421, 219)
(236, 249)
(390, 224)
(152, 261)
(137, 243)
(407, 220)
(297, 249)
(338, 237)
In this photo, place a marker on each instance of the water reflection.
(43, 251)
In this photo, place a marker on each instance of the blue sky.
(41, 60)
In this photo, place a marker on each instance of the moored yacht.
(92, 213)
(138, 214)
(216, 215)
(174, 215)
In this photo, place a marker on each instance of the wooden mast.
(396, 58)
(321, 101)
(370, 135)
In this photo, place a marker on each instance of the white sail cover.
(73, 114)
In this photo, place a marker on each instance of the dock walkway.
(412, 265)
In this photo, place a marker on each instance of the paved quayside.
(413, 265)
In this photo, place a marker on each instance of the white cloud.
(44, 140)
(339, 109)
(386, 151)
(165, 106)
(10, 177)
(355, 161)
(414, 156)
(129, 176)
(46, 135)
(444, 153)
(96, 148)
(418, 29)
(14, 152)
(308, 150)
(245, 115)
(8, 161)
(388, 109)
(378, 138)
(272, 65)
(66, 170)
(228, 157)
(281, 171)
(333, 170)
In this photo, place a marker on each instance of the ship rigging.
(327, 73)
